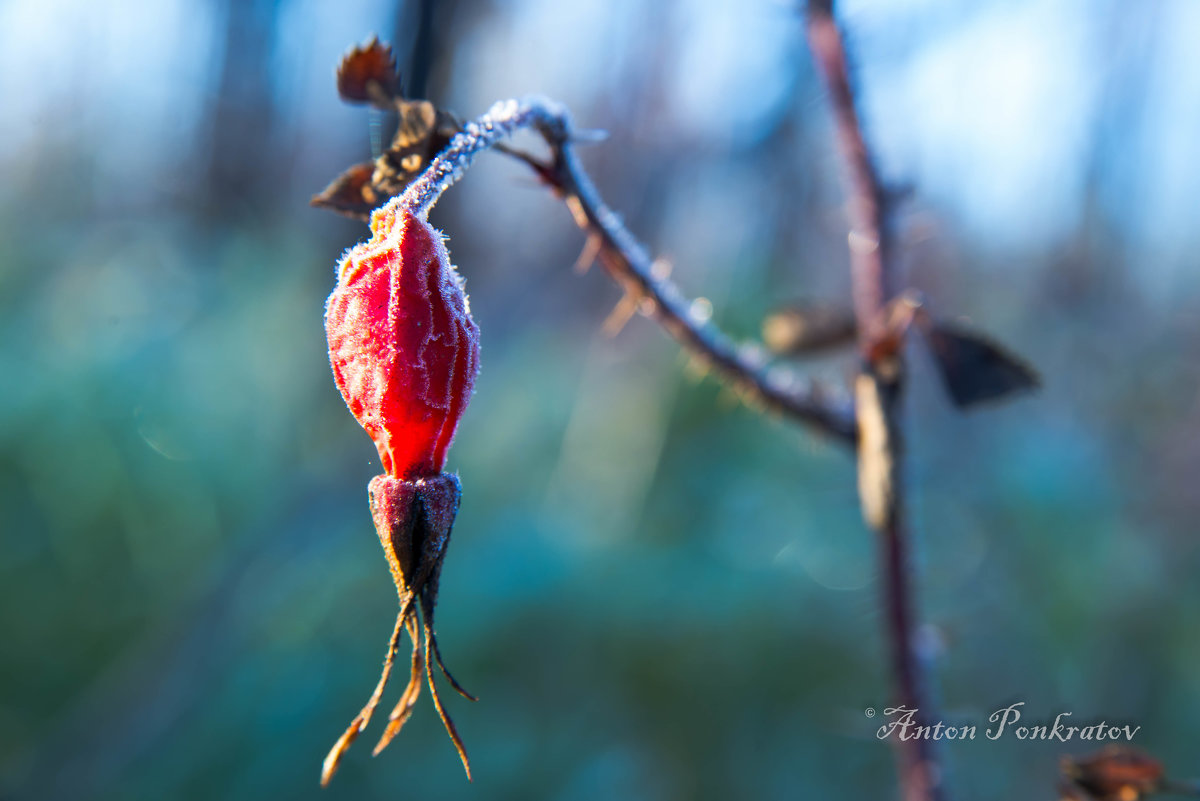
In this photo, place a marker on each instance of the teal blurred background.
(656, 593)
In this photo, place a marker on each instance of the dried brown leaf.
(367, 74)
(1116, 773)
(423, 132)
(974, 369)
(351, 193)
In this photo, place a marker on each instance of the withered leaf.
(1116, 773)
(974, 369)
(876, 449)
(350, 193)
(367, 74)
(803, 328)
(423, 131)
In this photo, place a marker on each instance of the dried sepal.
(974, 369)
(413, 519)
(367, 74)
(408, 700)
(1115, 773)
(334, 758)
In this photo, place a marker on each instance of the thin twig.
(627, 262)
(878, 395)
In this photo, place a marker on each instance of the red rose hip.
(405, 353)
(403, 346)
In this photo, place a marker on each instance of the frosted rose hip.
(403, 346)
(405, 353)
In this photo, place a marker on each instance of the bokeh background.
(656, 592)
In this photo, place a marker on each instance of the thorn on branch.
(587, 256)
(621, 314)
(806, 328)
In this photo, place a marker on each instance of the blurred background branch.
(879, 393)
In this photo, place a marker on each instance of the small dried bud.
(403, 346)
(1115, 773)
(413, 519)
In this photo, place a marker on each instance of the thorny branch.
(627, 262)
(878, 394)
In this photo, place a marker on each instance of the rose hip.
(405, 353)
(403, 346)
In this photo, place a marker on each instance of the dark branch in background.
(242, 161)
(878, 394)
(427, 40)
